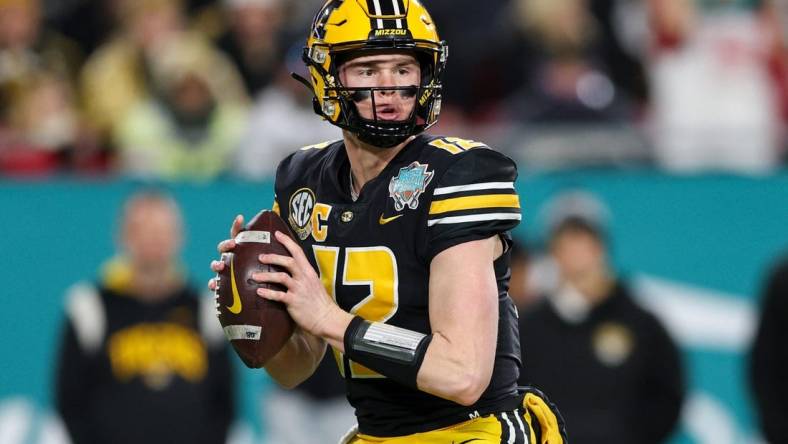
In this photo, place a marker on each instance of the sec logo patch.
(302, 203)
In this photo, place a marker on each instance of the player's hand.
(307, 301)
(225, 246)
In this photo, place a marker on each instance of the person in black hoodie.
(142, 357)
(769, 358)
(608, 363)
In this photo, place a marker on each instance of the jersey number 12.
(375, 267)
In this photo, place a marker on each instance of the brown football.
(256, 327)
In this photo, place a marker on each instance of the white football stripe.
(474, 187)
(474, 218)
(258, 237)
(245, 332)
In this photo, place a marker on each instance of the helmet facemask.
(374, 129)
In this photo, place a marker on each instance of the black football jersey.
(373, 256)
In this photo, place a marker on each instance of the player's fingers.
(273, 295)
(294, 249)
(276, 259)
(275, 278)
(238, 223)
(225, 246)
(212, 284)
(217, 266)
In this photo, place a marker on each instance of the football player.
(401, 260)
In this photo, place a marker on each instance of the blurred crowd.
(197, 89)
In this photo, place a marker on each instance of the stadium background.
(697, 247)
(696, 237)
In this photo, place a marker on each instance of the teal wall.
(712, 232)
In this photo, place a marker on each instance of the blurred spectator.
(27, 47)
(39, 121)
(769, 357)
(41, 126)
(117, 75)
(556, 61)
(520, 289)
(715, 104)
(775, 13)
(301, 13)
(557, 72)
(142, 356)
(192, 127)
(464, 26)
(567, 78)
(87, 22)
(320, 401)
(253, 40)
(282, 121)
(608, 363)
(622, 59)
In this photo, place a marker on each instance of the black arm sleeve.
(769, 358)
(74, 387)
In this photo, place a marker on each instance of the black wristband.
(352, 328)
(391, 351)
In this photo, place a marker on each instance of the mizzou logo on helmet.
(390, 32)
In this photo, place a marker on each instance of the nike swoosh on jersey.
(236, 307)
(385, 220)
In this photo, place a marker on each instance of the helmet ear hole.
(341, 57)
(426, 67)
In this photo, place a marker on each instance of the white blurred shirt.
(714, 106)
(278, 126)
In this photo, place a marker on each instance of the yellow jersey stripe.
(475, 202)
(450, 147)
(465, 144)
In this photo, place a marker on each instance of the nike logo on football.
(236, 307)
(385, 220)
